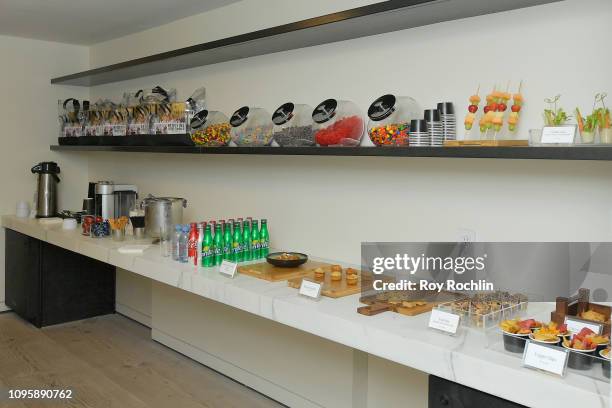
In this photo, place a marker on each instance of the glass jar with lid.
(251, 127)
(338, 123)
(210, 128)
(390, 117)
(293, 125)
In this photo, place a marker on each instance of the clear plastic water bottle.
(178, 230)
(184, 245)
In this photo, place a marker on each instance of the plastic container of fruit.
(580, 359)
(515, 343)
(390, 117)
(210, 128)
(605, 363)
(251, 127)
(338, 123)
(293, 125)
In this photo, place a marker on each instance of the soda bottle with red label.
(192, 251)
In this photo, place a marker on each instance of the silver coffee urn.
(46, 191)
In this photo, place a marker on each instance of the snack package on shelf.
(168, 116)
(94, 120)
(137, 114)
(69, 118)
(115, 119)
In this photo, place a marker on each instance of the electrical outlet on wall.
(466, 235)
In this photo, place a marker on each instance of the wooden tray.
(486, 143)
(273, 273)
(378, 304)
(332, 289)
(578, 304)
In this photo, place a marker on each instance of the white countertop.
(471, 358)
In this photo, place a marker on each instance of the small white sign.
(444, 321)
(545, 358)
(559, 134)
(310, 289)
(228, 268)
(574, 325)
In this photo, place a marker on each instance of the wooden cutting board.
(332, 289)
(273, 273)
(409, 307)
(487, 143)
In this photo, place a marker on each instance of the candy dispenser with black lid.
(390, 117)
(293, 125)
(338, 123)
(251, 127)
(210, 128)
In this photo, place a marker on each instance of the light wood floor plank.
(111, 360)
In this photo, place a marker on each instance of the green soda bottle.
(207, 248)
(227, 242)
(247, 250)
(218, 246)
(264, 239)
(256, 250)
(237, 243)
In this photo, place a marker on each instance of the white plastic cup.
(69, 224)
(23, 209)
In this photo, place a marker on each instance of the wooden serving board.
(273, 273)
(377, 305)
(486, 143)
(330, 288)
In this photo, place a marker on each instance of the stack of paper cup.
(419, 136)
(434, 127)
(449, 121)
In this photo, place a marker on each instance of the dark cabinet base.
(47, 285)
(447, 394)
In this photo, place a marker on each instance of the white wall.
(328, 205)
(28, 113)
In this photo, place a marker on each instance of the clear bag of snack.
(168, 116)
(137, 114)
(115, 119)
(94, 120)
(68, 116)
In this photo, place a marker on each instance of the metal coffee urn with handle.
(46, 192)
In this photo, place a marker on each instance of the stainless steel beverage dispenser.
(46, 192)
(114, 200)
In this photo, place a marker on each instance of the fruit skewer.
(472, 110)
(517, 105)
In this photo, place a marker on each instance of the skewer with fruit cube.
(472, 110)
(516, 109)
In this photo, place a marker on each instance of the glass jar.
(293, 125)
(390, 117)
(605, 135)
(251, 127)
(338, 123)
(210, 128)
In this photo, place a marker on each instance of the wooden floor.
(109, 362)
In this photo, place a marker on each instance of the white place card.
(546, 358)
(444, 321)
(558, 134)
(228, 268)
(574, 325)
(310, 289)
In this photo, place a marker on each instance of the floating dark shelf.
(378, 18)
(602, 153)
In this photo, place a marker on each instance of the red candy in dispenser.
(338, 123)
